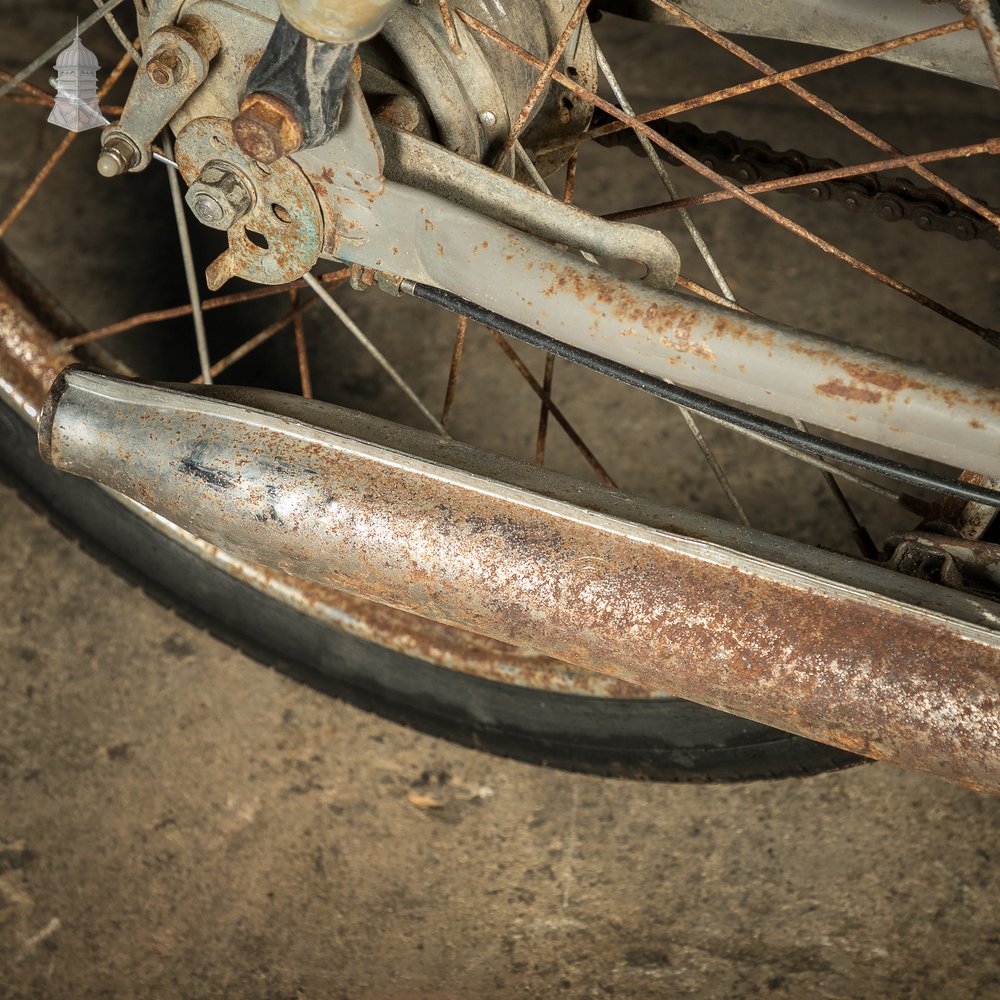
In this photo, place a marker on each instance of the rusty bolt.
(362, 277)
(266, 128)
(220, 196)
(401, 111)
(167, 67)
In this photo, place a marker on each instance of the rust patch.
(251, 59)
(890, 381)
(841, 390)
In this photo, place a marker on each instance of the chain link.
(891, 199)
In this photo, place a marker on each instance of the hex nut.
(220, 196)
(266, 128)
(167, 67)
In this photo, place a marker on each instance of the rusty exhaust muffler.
(806, 641)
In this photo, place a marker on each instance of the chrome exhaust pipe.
(816, 644)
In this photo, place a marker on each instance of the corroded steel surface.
(28, 362)
(811, 643)
(284, 209)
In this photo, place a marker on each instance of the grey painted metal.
(846, 652)
(361, 217)
(427, 166)
(839, 24)
(987, 16)
(427, 237)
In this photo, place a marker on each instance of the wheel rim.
(450, 648)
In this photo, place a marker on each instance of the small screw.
(488, 118)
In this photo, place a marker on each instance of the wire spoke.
(251, 344)
(692, 425)
(773, 78)
(334, 278)
(187, 256)
(546, 407)
(827, 109)
(219, 301)
(27, 88)
(32, 189)
(569, 187)
(557, 414)
(858, 531)
(116, 29)
(453, 370)
(58, 46)
(706, 293)
(665, 180)
(28, 99)
(29, 192)
(335, 307)
(305, 375)
(449, 27)
(991, 336)
(546, 71)
(114, 76)
(984, 13)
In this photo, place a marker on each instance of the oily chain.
(891, 199)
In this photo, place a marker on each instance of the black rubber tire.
(661, 740)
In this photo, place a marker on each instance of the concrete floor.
(178, 820)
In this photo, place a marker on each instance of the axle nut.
(220, 196)
(266, 128)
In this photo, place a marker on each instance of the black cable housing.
(792, 437)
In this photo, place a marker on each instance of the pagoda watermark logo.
(76, 106)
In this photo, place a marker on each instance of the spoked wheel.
(775, 261)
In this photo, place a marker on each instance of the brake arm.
(424, 165)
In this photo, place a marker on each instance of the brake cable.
(764, 427)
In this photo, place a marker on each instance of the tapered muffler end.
(823, 646)
(46, 417)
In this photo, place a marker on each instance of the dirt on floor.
(177, 820)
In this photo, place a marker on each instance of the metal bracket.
(174, 64)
